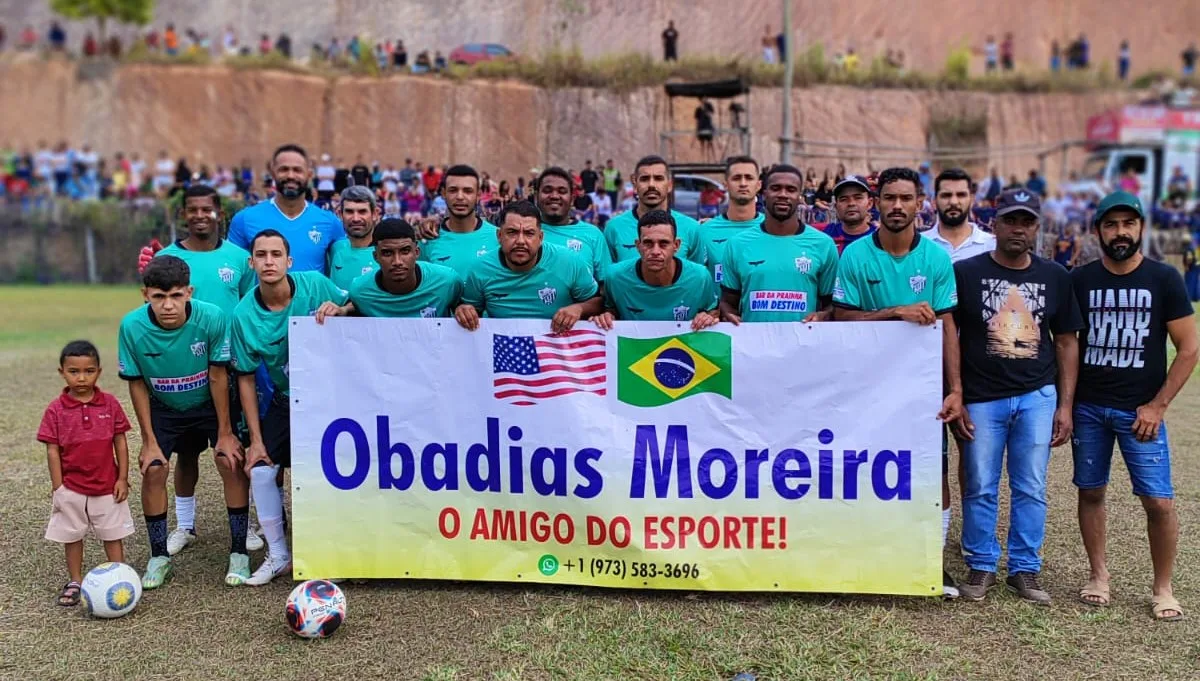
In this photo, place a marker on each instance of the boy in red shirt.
(82, 429)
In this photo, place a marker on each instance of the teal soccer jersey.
(621, 234)
(780, 278)
(633, 299)
(870, 278)
(174, 363)
(220, 276)
(347, 263)
(260, 336)
(438, 292)
(557, 280)
(583, 241)
(460, 251)
(715, 233)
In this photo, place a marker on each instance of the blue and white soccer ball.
(315, 609)
(111, 590)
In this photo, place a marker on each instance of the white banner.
(800, 457)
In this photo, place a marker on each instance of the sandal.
(1095, 593)
(1165, 604)
(70, 595)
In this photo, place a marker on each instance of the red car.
(473, 53)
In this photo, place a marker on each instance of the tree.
(138, 12)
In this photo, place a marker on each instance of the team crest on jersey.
(366, 269)
(315, 235)
(199, 348)
(481, 252)
(548, 295)
(803, 264)
(681, 313)
(226, 274)
(917, 283)
(575, 245)
(428, 312)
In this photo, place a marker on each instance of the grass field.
(197, 628)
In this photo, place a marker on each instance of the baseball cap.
(852, 181)
(1013, 200)
(1119, 199)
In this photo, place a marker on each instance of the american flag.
(526, 369)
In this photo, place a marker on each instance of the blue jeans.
(1096, 429)
(1022, 424)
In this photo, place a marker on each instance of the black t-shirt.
(361, 175)
(1123, 349)
(341, 180)
(588, 178)
(1005, 320)
(1189, 57)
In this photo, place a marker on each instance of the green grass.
(440, 631)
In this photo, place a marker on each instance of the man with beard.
(403, 287)
(310, 231)
(953, 196)
(353, 257)
(1017, 319)
(743, 183)
(658, 286)
(653, 184)
(1130, 305)
(529, 279)
(552, 190)
(852, 201)
(220, 274)
(782, 270)
(462, 237)
(897, 274)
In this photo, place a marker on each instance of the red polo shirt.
(84, 432)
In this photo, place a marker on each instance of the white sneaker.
(179, 539)
(269, 570)
(254, 542)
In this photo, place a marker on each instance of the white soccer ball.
(111, 590)
(315, 609)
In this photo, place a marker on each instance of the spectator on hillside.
(229, 41)
(382, 57)
(589, 178)
(264, 45)
(171, 41)
(57, 37)
(400, 55)
(1036, 184)
(1179, 186)
(354, 49)
(28, 38)
(1084, 50)
(926, 175)
(114, 47)
(1055, 56)
(90, 47)
(360, 174)
(423, 64)
(704, 126)
(3, 36)
(768, 46)
(851, 61)
(670, 41)
(990, 188)
(439, 61)
(334, 53)
(325, 173)
(151, 41)
(1006, 52)
(283, 45)
(1189, 60)
(781, 46)
(991, 54)
(1123, 60)
(432, 180)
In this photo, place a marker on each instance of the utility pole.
(785, 141)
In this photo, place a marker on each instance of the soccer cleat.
(254, 542)
(270, 569)
(239, 569)
(158, 570)
(179, 539)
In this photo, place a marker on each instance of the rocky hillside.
(218, 115)
(1158, 30)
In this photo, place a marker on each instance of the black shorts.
(277, 431)
(186, 433)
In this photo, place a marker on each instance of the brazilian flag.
(657, 371)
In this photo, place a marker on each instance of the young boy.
(82, 429)
(173, 352)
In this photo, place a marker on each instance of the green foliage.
(958, 65)
(138, 12)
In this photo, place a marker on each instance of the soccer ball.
(111, 590)
(315, 609)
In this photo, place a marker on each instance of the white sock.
(185, 513)
(945, 525)
(268, 503)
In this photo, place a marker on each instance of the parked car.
(473, 53)
(687, 193)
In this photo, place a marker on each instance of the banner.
(764, 457)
